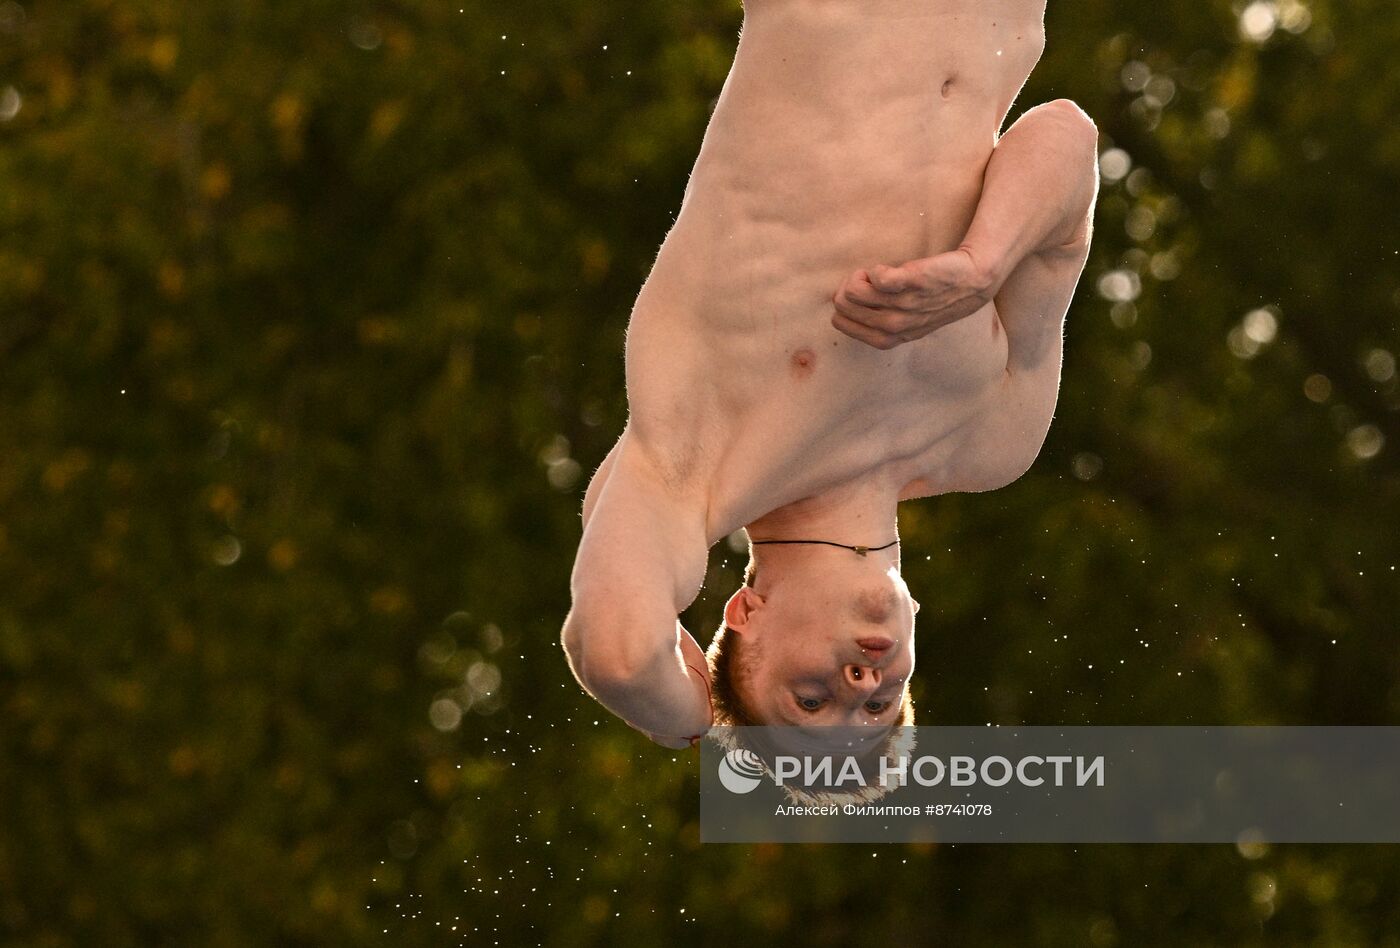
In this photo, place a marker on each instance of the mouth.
(875, 645)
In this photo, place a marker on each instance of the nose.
(862, 677)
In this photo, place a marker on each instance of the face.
(832, 648)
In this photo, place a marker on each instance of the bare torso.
(847, 134)
(771, 383)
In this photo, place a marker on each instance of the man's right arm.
(1037, 203)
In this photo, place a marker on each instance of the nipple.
(804, 362)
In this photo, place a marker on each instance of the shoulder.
(640, 530)
(646, 465)
(997, 445)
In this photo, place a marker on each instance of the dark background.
(311, 322)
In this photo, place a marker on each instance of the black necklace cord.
(861, 550)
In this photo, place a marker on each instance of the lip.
(875, 643)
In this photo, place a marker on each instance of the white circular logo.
(740, 770)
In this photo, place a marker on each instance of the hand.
(888, 306)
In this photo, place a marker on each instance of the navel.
(947, 86)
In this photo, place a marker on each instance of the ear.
(740, 607)
(916, 605)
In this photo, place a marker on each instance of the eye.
(809, 704)
(875, 707)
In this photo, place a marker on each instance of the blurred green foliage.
(310, 333)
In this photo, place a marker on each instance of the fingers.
(859, 304)
(860, 313)
(859, 316)
(887, 306)
(890, 290)
(889, 279)
(859, 300)
(889, 326)
(876, 338)
(886, 321)
(859, 289)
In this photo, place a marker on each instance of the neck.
(854, 515)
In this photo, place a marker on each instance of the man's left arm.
(641, 560)
(1038, 196)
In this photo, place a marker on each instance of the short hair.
(724, 657)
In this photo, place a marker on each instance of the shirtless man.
(861, 302)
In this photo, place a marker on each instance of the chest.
(759, 427)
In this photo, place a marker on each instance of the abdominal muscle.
(848, 134)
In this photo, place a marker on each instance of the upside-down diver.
(861, 302)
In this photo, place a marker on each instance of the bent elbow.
(603, 663)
